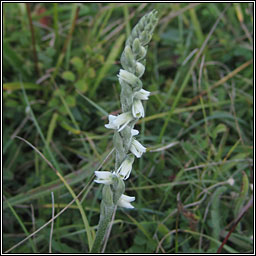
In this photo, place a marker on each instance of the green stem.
(104, 222)
(110, 197)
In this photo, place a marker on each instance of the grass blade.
(109, 62)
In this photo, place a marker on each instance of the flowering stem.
(126, 147)
(102, 229)
(108, 231)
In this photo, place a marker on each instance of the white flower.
(142, 94)
(137, 149)
(231, 181)
(111, 118)
(121, 120)
(134, 132)
(124, 201)
(103, 177)
(126, 167)
(129, 78)
(137, 109)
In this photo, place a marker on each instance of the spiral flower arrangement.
(126, 146)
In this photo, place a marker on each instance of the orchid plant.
(126, 146)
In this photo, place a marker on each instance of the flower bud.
(118, 188)
(126, 97)
(127, 59)
(140, 69)
(107, 195)
(145, 37)
(138, 49)
(130, 78)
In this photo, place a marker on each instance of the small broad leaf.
(77, 62)
(68, 75)
(71, 100)
(81, 85)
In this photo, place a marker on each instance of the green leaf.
(59, 92)
(219, 129)
(108, 64)
(81, 85)
(100, 109)
(68, 75)
(51, 128)
(67, 127)
(140, 239)
(243, 194)
(71, 100)
(91, 72)
(14, 59)
(38, 192)
(216, 212)
(16, 86)
(163, 230)
(77, 63)
(63, 247)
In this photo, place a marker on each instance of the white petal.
(137, 109)
(125, 204)
(138, 145)
(122, 119)
(135, 151)
(125, 171)
(126, 167)
(134, 132)
(142, 94)
(103, 175)
(107, 182)
(110, 126)
(128, 198)
(124, 201)
(137, 148)
(111, 118)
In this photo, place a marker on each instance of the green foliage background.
(187, 193)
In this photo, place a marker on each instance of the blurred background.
(60, 66)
